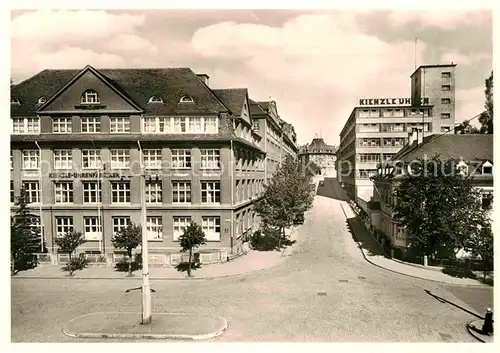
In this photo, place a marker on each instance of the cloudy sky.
(314, 64)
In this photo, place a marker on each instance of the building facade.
(378, 127)
(471, 154)
(82, 139)
(320, 157)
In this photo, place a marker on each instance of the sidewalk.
(373, 253)
(251, 262)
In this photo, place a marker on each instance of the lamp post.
(146, 286)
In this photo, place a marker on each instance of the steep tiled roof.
(256, 108)
(464, 146)
(318, 144)
(233, 98)
(138, 84)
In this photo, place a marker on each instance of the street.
(325, 291)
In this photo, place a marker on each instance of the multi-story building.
(377, 128)
(320, 156)
(82, 139)
(472, 156)
(279, 139)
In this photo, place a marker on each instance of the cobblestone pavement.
(323, 291)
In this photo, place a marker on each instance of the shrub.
(76, 264)
(459, 272)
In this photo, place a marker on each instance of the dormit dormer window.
(155, 99)
(42, 100)
(186, 99)
(14, 100)
(90, 96)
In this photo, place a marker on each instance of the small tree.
(128, 238)
(24, 236)
(286, 196)
(192, 237)
(67, 244)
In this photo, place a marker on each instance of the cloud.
(72, 39)
(448, 19)
(317, 64)
(49, 25)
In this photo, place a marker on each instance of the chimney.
(412, 136)
(204, 78)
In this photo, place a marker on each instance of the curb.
(153, 278)
(145, 335)
(402, 273)
(475, 334)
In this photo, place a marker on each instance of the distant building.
(377, 128)
(319, 157)
(472, 154)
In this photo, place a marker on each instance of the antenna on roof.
(415, 53)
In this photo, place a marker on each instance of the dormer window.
(90, 97)
(155, 99)
(487, 168)
(462, 168)
(186, 99)
(42, 100)
(14, 100)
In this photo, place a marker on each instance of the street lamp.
(146, 286)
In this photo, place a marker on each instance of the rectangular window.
(374, 113)
(120, 159)
(12, 195)
(369, 158)
(153, 191)
(64, 225)
(366, 173)
(445, 115)
(445, 128)
(63, 159)
(487, 170)
(210, 192)
(366, 142)
(386, 113)
(180, 124)
(365, 113)
(445, 100)
(211, 228)
(119, 223)
(392, 127)
(445, 74)
(179, 224)
(152, 158)
(61, 125)
(394, 142)
(211, 125)
(195, 125)
(181, 159)
(91, 192)
(368, 127)
(120, 192)
(119, 125)
(158, 125)
(92, 228)
(91, 125)
(63, 192)
(25, 126)
(399, 113)
(255, 124)
(91, 159)
(445, 88)
(33, 189)
(387, 156)
(181, 192)
(31, 159)
(154, 228)
(210, 159)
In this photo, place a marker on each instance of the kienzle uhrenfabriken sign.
(391, 101)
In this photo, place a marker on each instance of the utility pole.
(146, 286)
